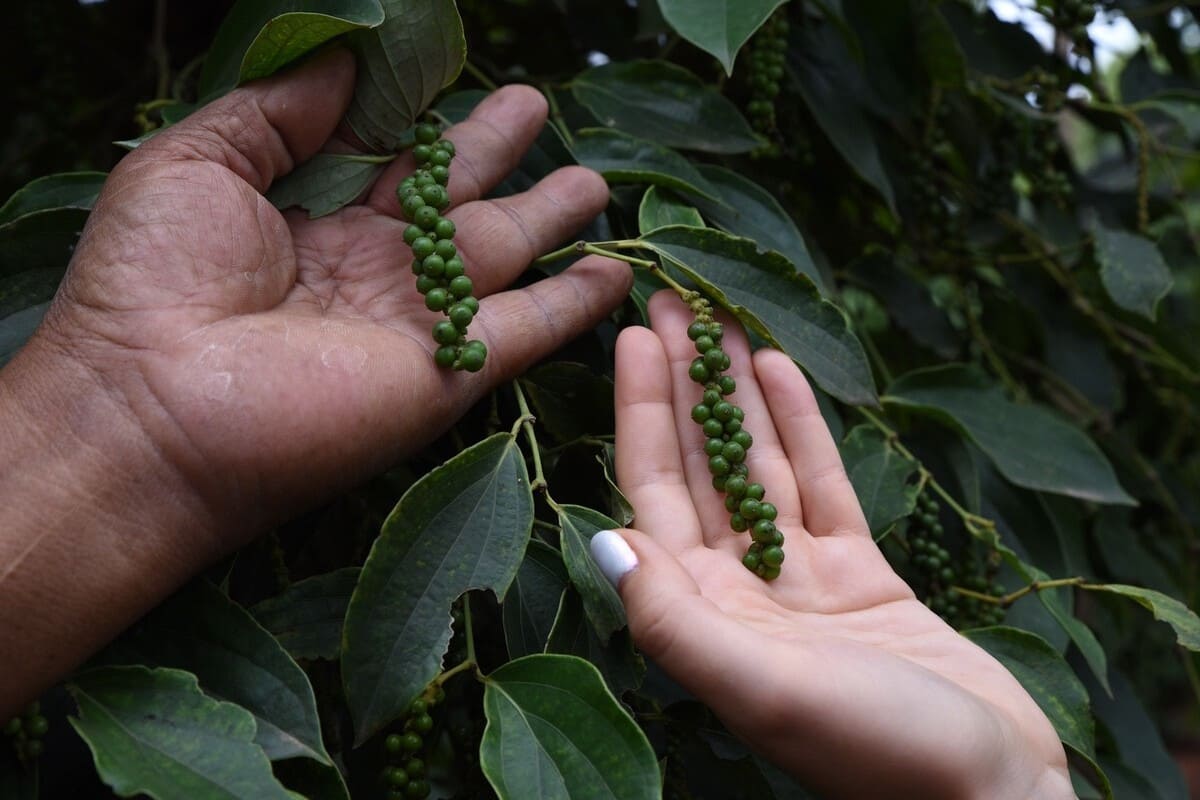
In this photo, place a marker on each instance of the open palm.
(272, 357)
(834, 670)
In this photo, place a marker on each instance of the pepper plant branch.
(1007, 600)
(525, 422)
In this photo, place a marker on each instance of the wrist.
(95, 529)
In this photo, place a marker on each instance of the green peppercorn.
(395, 777)
(750, 561)
(473, 357)
(738, 522)
(445, 249)
(736, 485)
(453, 268)
(723, 411)
(412, 233)
(440, 174)
(436, 300)
(425, 216)
(444, 331)
(718, 465)
(413, 204)
(697, 371)
(727, 385)
(750, 508)
(426, 284)
(767, 511)
(756, 491)
(700, 413)
(704, 344)
(743, 438)
(731, 504)
(423, 247)
(421, 153)
(445, 356)
(713, 429)
(710, 397)
(764, 530)
(718, 483)
(696, 330)
(713, 447)
(461, 316)
(433, 266)
(461, 286)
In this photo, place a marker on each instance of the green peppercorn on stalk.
(727, 443)
(766, 59)
(26, 732)
(440, 272)
(938, 572)
(404, 772)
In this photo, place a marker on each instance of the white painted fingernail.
(614, 557)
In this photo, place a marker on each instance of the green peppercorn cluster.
(26, 732)
(440, 271)
(938, 573)
(766, 58)
(726, 445)
(405, 772)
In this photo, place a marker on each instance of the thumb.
(263, 129)
(684, 632)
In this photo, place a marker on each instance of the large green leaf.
(1047, 677)
(555, 732)
(326, 183)
(65, 190)
(882, 478)
(1164, 608)
(600, 599)
(306, 618)
(463, 526)
(153, 732)
(665, 103)
(825, 73)
(402, 65)
(1132, 270)
(748, 210)
(1029, 445)
(202, 631)
(719, 27)
(257, 38)
(570, 399)
(659, 209)
(626, 159)
(532, 601)
(573, 635)
(16, 328)
(766, 296)
(41, 222)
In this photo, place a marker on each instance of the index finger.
(488, 145)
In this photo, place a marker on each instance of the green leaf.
(618, 504)
(1182, 106)
(1165, 609)
(1132, 270)
(65, 190)
(1047, 677)
(402, 65)
(16, 328)
(41, 222)
(937, 48)
(718, 27)
(463, 526)
(748, 210)
(202, 631)
(1029, 445)
(664, 103)
(153, 732)
(258, 38)
(326, 183)
(782, 307)
(600, 600)
(821, 66)
(26, 289)
(570, 399)
(882, 478)
(625, 159)
(306, 618)
(554, 732)
(532, 601)
(573, 635)
(659, 209)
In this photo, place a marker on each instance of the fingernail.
(613, 556)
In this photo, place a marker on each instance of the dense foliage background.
(981, 246)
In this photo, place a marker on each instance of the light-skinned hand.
(834, 671)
